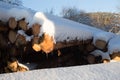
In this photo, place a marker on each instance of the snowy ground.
(108, 71)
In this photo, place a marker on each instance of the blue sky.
(86, 5)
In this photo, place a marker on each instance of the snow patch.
(109, 71)
(28, 38)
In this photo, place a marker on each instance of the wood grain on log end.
(22, 24)
(21, 40)
(100, 44)
(91, 59)
(14, 66)
(36, 47)
(47, 45)
(12, 36)
(12, 23)
(36, 29)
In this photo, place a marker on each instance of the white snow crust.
(109, 71)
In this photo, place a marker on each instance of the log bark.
(12, 36)
(64, 44)
(12, 23)
(90, 47)
(3, 26)
(3, 29)
(3, 42)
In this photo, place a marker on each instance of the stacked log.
(21, 41)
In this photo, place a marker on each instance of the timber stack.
(18, 40)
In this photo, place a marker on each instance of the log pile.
(20, 41)
(15, 33)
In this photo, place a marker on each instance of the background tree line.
(104, 20)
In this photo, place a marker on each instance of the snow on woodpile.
(47, 30)
(108, 71)
(114, 45)
(101, 39)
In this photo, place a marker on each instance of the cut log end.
(47, 45)
(100, 44)
(23, 25)
(36, 29)
(36, 47)
(91, 59)
(15, 66)
(12, 23)
(12, 36)
(21, 40)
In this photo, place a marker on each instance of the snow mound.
(109, 71)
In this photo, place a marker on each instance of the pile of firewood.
(17, 34)
(17, 39)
